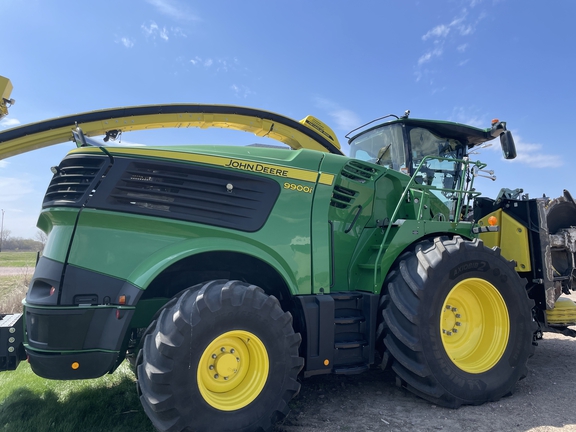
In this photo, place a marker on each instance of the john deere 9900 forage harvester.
(223, 273)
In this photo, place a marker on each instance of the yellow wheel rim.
(233, 370)
(474, 325)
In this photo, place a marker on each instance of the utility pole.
(2, 230)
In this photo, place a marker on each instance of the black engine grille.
(74, 178)
(197, 194)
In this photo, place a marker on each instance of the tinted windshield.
(367, 146)
(443, 174)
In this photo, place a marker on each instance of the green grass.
(31, 403)
(17, 259)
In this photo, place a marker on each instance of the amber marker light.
(326, 362)
(494, 121)
(122, 300)
(492, 221)
(75, 365)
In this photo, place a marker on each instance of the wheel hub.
(474, 325)
(451, 320)
(226, 365)
(233, 370)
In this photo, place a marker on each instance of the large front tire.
(223, 357)
(456, 323)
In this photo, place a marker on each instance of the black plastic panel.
(188, 192)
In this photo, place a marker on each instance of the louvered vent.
(342, 197)
(75, 177)
(357, 171)
(196, 194)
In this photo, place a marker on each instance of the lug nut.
(213, 356)
(216, 376)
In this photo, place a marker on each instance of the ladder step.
(351, 370)
(348, 320)
(346, 296)
(350, 344)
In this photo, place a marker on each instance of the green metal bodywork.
(338, 224)
(314, 246)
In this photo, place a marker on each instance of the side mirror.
(508, 146)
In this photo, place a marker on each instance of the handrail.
(413, 185)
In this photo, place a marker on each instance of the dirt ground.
(371, 401)
(15, 271)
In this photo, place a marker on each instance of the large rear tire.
(223, 357)
(456, 323)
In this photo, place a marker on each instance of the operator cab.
(400, 144)
(433, 150)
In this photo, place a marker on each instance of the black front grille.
(74, 178)
(197, 194)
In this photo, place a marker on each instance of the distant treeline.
(19, 244)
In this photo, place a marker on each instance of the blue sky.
(345, 62)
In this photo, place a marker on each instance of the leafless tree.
(4, 236)
(41, 237)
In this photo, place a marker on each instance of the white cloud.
(153, 31)
(533, 156)
(9, 123)
(14, 188)
(241, 91)
(436, 52)
(463, 115)
(127, 42)
(208, 62)
(437, 32)
(3, 164)
(176, 10)
(446, 36)
(344, 119)
(177, 31)
(466, 29)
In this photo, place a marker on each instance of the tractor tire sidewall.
(173, 351)
(482, 263)
(193, 408)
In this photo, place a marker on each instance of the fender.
(421, 230)
(308, 133)
(155, 264)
